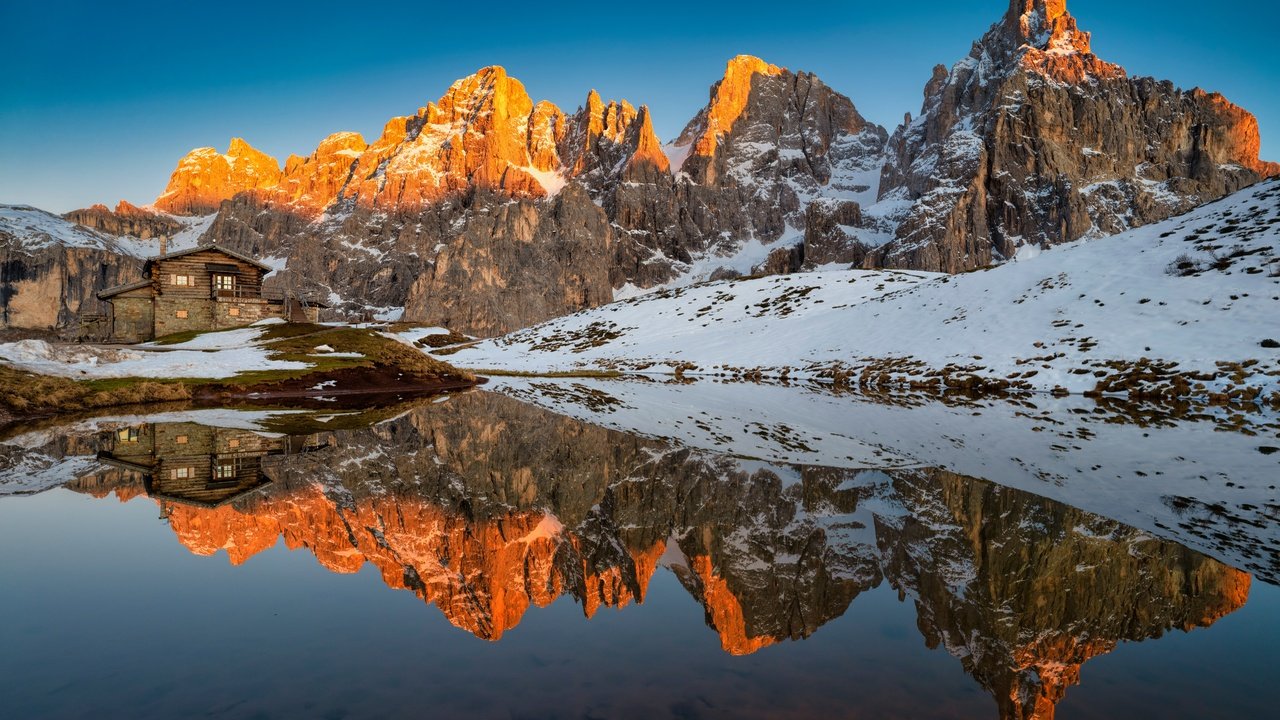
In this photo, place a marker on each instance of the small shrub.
(1183, 266)
(1270, 344)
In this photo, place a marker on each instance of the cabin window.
(182, 280)
(129, 435)
(181, 439)
(181, 473)
(225, 470)
(181, 314)
(233, 311)
(224, 282)
(233, 442)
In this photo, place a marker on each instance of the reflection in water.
(484, 506)
(196, 464)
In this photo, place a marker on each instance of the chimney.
(164, 244)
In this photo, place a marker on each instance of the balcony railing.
(237, 292)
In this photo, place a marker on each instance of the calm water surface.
(483, 557)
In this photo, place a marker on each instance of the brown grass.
(26, 393)
(375, 350)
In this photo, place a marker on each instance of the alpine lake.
(578, 548)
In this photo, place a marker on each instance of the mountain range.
(486, 211)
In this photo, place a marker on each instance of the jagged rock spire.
(1045, 25)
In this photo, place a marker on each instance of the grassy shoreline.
(360, 357)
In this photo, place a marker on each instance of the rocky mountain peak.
(484, 132)
(647, 146)
(1042, 36)
(603, 141)
(488, 90)
(729, 98)
(205, 177)
(126, 219)
(1033, 140)
(1038, 21)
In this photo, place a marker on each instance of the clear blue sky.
(98, 100)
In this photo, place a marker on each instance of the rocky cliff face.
(126, 219)
(516, 263)
(51, 270)
(771, 154)
(1033, 140)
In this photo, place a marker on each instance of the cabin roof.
(119, 289)
(210, 248)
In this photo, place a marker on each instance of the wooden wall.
(194, 266)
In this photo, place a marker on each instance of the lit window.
(181, 314)
(225, 470)
(224, 282)
(233, 442)
(233, 312)
(182, 280)
(129, 435)
(181, 439)
(181, 473)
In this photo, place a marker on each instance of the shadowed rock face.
(486, 507)
(485, 264)
(50, 287)
(126, 219)
(1034, 140)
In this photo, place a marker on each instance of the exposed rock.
(312, 183)
(768, 143)
(126, 219)
(830, 233)
(517, 263)
(479, 136)
(1033, 140)
(206, 177)
(51, 270)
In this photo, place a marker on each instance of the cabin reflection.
(197, 464)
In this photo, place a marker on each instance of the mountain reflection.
(484, 506)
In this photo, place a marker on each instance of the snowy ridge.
(1187, 307)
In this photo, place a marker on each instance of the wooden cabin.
(205, 288)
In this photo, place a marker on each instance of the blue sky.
(99, 100)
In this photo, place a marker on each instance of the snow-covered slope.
(1186, 307)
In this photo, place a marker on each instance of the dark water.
(485, 558)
